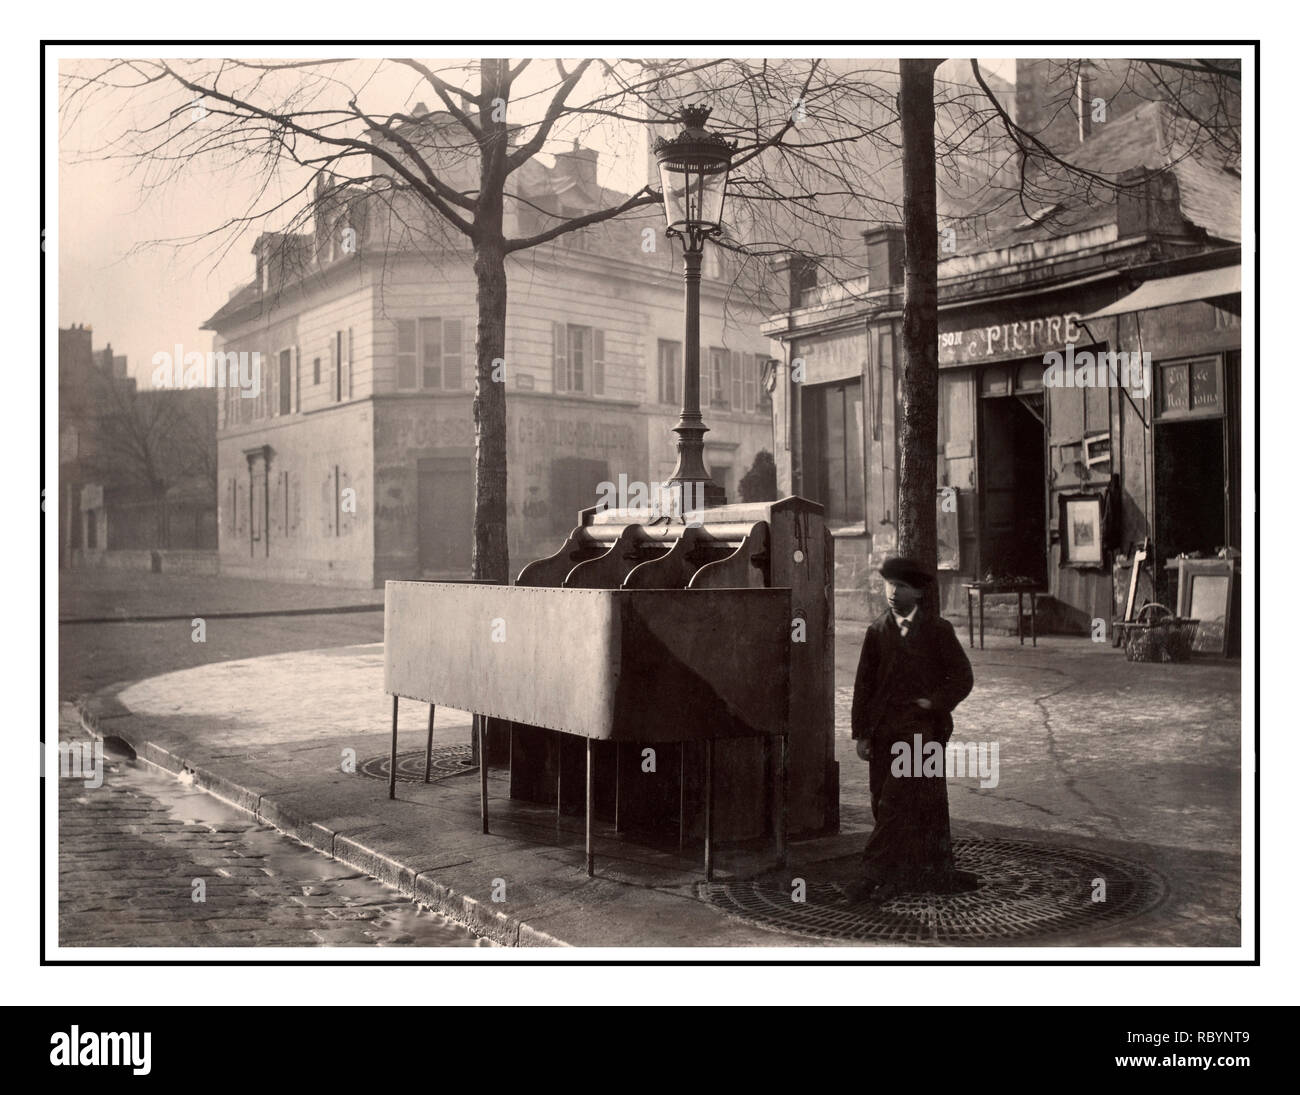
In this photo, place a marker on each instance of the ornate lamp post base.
(693, 484)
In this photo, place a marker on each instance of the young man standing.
(911, 675)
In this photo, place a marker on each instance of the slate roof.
(550, 187)
(1154, 136)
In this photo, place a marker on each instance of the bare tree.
(302, 125)
(919, 428)
(824, 150)
(150, 442)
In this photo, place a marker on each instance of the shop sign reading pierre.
(1026, 338)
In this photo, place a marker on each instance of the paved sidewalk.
(1140, 762)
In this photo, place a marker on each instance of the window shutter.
(559, 353)
(598, 365)
(453, 347)
(738, 366)
(297, 378)
(348, 389)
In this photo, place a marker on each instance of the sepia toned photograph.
(773, 504)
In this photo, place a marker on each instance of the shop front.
(1189, 475)
(1076, 420)
(1015, 443)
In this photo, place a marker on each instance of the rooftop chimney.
(579, 164)
(1148, 206)
(884, 256)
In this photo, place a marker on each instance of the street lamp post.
(693, 168)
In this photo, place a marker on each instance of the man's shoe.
(871, 891)
(886, 891)
(860, 892)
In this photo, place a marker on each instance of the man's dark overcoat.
(911, 839)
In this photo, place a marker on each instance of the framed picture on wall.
(1081, 531)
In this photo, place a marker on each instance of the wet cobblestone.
(130, 853)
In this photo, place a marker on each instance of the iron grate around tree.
(1027, 891)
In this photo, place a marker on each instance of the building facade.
(1043, 476)
(353, 462)
(136, 467)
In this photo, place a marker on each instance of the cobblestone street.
(133, 852)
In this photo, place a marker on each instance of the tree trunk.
(491, 549)
(919, 427)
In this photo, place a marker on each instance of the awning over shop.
(1205, 285)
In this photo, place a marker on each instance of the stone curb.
(100, 708)
(334, 610)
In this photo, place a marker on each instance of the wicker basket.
(1157, 635)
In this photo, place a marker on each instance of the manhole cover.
(448, 760)
(1026, 891)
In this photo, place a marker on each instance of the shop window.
(1029, 377)
(995, 381)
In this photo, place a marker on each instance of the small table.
(980, 589)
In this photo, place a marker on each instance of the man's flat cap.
(899, 569)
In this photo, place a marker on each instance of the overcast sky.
(144, 298)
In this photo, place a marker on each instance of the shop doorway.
(1013, 490)
(1192, 487)
(833, 457)
(445, 517)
